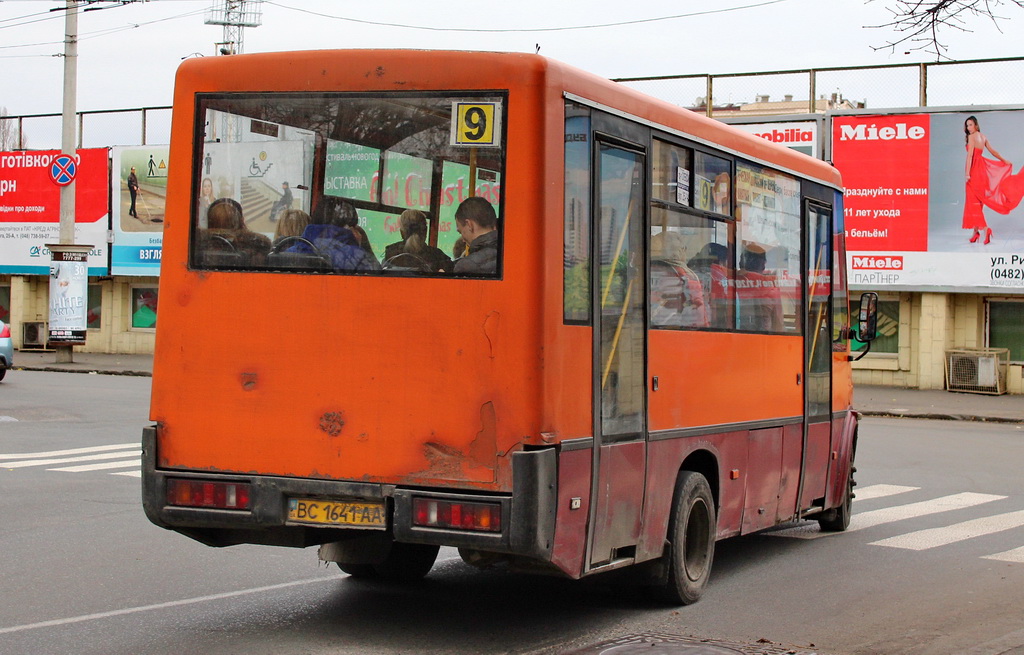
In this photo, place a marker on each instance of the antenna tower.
(234, 15)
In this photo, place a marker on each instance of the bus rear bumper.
(527, 515)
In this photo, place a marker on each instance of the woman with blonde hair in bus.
(413, 251)
(990, 183)
(290, 223)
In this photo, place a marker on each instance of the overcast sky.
(128, 54)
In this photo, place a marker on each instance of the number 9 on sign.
(476, 123)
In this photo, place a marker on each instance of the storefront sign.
(907, 193)
(30, 208)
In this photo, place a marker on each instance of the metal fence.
(812, 90)
(938, 84)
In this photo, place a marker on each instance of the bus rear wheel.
(403, 563)
(691, 533)
(838, 519)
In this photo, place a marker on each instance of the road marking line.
(159, 606)
(128, 463)
(130, 474)
(934, 537)
(72, 451)
(67, 460)
(892, 515)
(881, 491)
(1015, 555)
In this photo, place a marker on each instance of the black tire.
(838, 519)
(3, 372)
(361, 571)
(404, 563)
(691, 534)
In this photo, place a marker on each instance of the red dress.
(990, 184)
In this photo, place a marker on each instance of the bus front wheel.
(692, 529)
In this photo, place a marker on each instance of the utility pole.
(69, 265)
(234, 15)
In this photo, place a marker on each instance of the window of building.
(1006, 327)
(5, 304)
(887, 337)
(768, 278)
(576, 246)
(94, 312)
(144, 301)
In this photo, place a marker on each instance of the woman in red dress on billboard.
(990, 183)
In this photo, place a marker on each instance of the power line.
(534, 29)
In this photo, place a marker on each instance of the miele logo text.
(872, 132)
(888, 263)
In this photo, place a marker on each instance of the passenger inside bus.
(330, 235)
(477, 223)
(677, 296)
(290, 223)
(413, 252)
(757, 292)
(713, 267)
(227, 241)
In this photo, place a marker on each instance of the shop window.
(144, 300)
(1006, 327)
(94, 313)
(5, 304)
(887, 339)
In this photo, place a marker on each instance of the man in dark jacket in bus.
(477, 223)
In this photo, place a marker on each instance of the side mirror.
(867, 321)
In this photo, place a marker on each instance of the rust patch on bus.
(484, 449)
(332, 423)
(248, 381)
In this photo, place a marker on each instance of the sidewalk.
(869, 400)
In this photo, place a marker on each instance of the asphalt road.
(84, 572)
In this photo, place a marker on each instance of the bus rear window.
(384, 184)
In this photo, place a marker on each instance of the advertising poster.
(266, 177)
(353, 172)
(68, 295)
(918, 214)
(801, 136)
(138, 208)
(30, 209)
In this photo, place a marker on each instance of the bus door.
(620, 343)
(817, 352)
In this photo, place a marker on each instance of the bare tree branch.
(920, 22)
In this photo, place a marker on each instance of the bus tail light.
(204, 493)
(478, 517)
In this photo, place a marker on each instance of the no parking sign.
(63, 169)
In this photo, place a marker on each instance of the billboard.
(30, 209)
(138, 222)
(801, 136)
(913, 201)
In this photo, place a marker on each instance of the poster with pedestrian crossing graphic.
(138, 200)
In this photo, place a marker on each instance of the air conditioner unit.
(34, 335)
(977, 370)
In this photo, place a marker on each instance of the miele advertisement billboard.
(933, 199)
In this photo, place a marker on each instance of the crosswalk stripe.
(66, 460)
(130, 474)
(881, 491)
(934, 537)
(128, 463)
(1015, 555)
(893, 514)
(72, 451)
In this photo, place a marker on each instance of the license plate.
(328, 512)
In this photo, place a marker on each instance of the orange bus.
(416, 299)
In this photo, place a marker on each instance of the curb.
(86, 370)
(939, 417)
